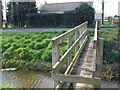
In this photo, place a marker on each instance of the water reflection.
(27, 79)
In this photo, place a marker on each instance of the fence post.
(55, 58)
(69, 43)
(80, 31)
(76, 37)
(98, 27)
(85, 27)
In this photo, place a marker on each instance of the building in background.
(61, 7)
(67, 6)
(116, 19)
(98, 16)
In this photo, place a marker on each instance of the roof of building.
(61, 7)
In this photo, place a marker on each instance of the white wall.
(98, 15)
(119, 8)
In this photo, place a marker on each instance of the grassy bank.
(27, 50)
(33, 51)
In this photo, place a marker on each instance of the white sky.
(111, 6)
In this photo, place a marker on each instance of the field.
(33, 50)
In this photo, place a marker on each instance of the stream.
(27, 79)
(36, 79)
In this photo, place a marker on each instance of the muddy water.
(27, 79)
(36, 79)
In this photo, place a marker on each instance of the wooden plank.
(98, 54)
(76, 78)
(67, 34)
(55, 59)
(69, 45)
(55, 67)
(94, 44)
(76, 37)
(97, 28)
(94, 64)
(55, 54)
(96, 32)
(100, 58)
(58, 87)
(80, 31)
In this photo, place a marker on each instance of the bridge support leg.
(55, 59)
(69, 45)
(98, 72)
(100, 58)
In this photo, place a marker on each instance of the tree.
(81, 14)
(85, 13)
(17, 12)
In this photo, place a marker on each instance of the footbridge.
(81, 65)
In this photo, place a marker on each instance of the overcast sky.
(111, 6)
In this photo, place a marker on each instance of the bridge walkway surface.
(85, 63)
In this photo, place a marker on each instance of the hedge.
(69, 18)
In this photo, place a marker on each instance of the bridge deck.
(85, 64)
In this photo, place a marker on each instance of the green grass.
(33, 50)
(108, 26)
(27, 50)
(111, 47)
(6, 87)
